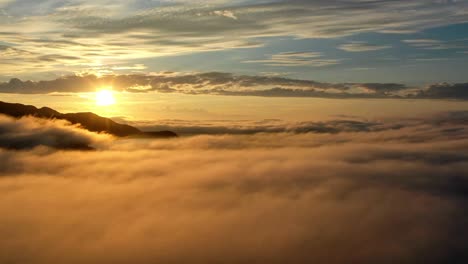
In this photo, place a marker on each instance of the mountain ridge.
(88, 120)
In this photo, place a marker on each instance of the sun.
(105, 97)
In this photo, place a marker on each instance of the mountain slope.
(89, 121)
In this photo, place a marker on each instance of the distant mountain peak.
(87, 120)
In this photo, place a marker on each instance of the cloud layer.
(375, 196)
(219, 83)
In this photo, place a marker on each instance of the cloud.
(64, 84)
(225, 13)
(220, 83)
(359, 46)
(245, 127)
(434, 44)
(132, 30)
(362, 197)
(383, 87)
(333, 126)
(4, 2)
(31, 132)
(293, 59)
(446, 90)
(217, 83)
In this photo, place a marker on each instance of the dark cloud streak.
(200, 83)
(219, 83)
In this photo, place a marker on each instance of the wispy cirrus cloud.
(225, 13)
(297, 59)
(434, 44)
(136, 30)
(359, 46)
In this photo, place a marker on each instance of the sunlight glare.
(105, 98)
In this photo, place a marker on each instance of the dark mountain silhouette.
(89, 121)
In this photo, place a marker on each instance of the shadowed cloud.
(446, 90)
(30, 132)
(220, 83)
(206, 83)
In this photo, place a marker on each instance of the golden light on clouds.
(105, 97)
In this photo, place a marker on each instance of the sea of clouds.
(368, 192)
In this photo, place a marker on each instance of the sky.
(411, 42)
(236, 60)
(308, 131)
